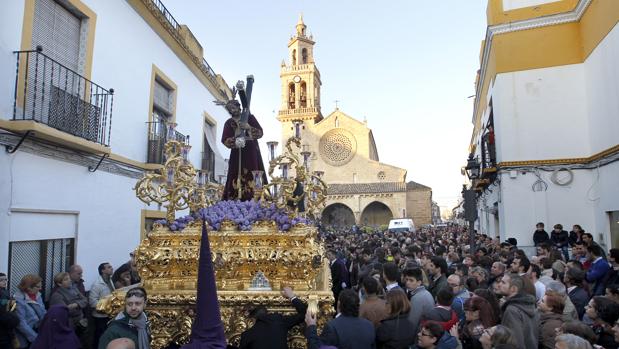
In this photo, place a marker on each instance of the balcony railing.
(298, 111)
(166, 14)
(157, 137)
(488, 151)
(50, 93)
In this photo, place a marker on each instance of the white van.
(401, 225)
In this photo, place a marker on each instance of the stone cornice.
(565, 161)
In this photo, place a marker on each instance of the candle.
(170, 178)
(297, 129)
(185, 151)
(306, 158)
(258, 178)
(171, 131)
(272, 146)
(285, 171)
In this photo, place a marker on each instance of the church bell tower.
(300, 85)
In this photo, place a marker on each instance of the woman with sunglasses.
(433, 336)
(131, 323)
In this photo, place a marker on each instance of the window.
(162, 111)
(45, 258)
(59, 32)
(294, 57)
(304, 56)
(303, 94)
(291, 96)
(162, 102)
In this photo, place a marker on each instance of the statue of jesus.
(245, 145)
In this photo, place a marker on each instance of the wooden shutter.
(58, 31)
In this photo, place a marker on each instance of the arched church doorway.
(338, 215)
(376, 213)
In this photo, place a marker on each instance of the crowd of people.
(421, 289)
(429, 289)
(68, 318)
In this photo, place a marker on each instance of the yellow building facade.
(362, 190)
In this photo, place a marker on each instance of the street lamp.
(472, 167)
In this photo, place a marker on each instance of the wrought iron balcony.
(488, 156)
(157, 137)
(50, 93)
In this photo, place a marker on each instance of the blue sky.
(407, 66)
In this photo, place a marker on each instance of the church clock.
(297, 79)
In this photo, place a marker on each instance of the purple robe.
(251, 160)
(55, 331)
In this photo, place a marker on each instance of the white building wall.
(101, 206)
(107, 214)
(522, 207)
(602, 85)
(568, 111)
(541, 114)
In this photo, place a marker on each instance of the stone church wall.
(419, 206)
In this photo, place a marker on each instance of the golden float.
(168, 260)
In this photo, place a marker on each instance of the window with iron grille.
(45, 258)
(162, 115)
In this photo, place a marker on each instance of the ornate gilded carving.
(281, 189)
(167, 262)
(177, 186)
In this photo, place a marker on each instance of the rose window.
(337, 147)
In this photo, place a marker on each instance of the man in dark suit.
(271, 329)
(596, 274)
(339, 275)
(346, 331)
(573, 279)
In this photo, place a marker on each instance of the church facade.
(361, 189)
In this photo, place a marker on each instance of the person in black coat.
(270, 331)
(540, 235)
(573, 279)
(8, 319)
(395, 331)
(339, 275)
(346, 331)
(560, 240)
(576, 234)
